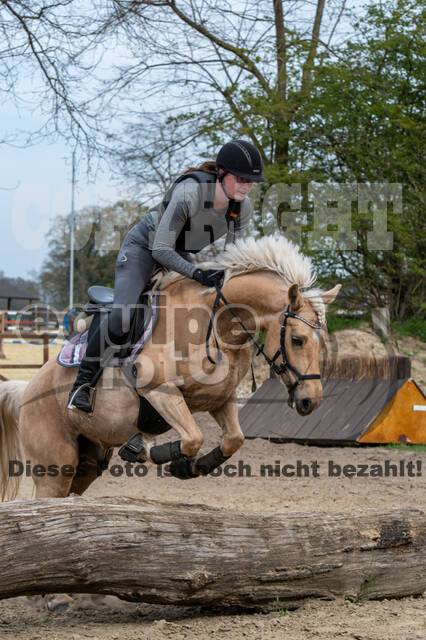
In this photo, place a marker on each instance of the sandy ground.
(110, 618)
(24, 353)
(326, 620)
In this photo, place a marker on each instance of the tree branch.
(200, 28)
(309, 63)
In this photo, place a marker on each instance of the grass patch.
(414, 327)
(406, 352)
(337, 323)
(406, 447)
(368, 582)
(280, 608)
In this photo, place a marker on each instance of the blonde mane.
(279, 255)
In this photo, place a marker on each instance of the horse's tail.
(11, 393)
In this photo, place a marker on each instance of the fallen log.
(185, 554)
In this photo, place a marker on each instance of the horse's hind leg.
(82, 455)
(47, 443)
(59, 484)
(93, 459)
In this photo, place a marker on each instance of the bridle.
(285, 366)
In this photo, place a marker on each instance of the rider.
(197, 210)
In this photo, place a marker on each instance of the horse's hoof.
(182, 468)
(134, 449)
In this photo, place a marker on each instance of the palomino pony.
(262, 286)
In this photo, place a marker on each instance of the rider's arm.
(183, 204)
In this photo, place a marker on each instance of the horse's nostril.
(306, 404)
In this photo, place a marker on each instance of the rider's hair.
(209, 166)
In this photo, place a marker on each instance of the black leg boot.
(82, 395)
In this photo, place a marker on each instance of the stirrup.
(72, 407)
(133, 450)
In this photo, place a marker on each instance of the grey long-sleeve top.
(202, 226)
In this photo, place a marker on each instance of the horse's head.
(294, 342)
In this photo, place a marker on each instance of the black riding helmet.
(242, 159)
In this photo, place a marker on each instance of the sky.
(35, 186)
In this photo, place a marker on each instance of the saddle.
(143, 323)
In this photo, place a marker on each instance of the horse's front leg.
(168, 400)
(233, 438)
(227, 419)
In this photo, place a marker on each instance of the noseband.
(285, 366)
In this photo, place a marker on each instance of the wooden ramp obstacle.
(383, 406)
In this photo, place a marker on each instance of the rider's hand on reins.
(209, 277)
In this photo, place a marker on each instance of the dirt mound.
(353, 341)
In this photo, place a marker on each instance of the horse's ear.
(294, 297)
(329, 296)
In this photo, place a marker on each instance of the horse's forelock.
(314, 297)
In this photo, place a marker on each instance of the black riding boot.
(91, 366)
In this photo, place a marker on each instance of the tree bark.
(281, 49)
(283, 129)
(192, 554)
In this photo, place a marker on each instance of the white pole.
(72, 221)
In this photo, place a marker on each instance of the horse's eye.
(296, 342)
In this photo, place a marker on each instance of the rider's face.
(237, 188)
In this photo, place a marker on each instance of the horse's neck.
(257, 297)
(261, 291)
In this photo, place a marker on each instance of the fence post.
(381, 321)
(2, 330)
(45, 348)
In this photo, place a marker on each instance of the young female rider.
(197, 210)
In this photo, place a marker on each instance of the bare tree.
(202, 71)
(150, 83)
(49, 50)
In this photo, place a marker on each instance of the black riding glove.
(209, 277)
